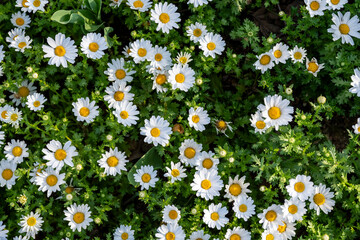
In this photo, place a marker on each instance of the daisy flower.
(93, 45)
(126, 113)
(78, 216)
(276, 111)
(190, 152)
(141, 50)
(124, 232)
(286, 230)
(36, 5)
(207, 161)
(244, 207)
(117, 71)
(355, 82)
(222, 126)
(35, 101)
(170, 231)
(207, 184)
(236, 188)
(60, 51)
(199, 235)
(171, 214)
(22, 4)
(14, 116)
(115, 3)
(345, 27)
(271, 217)
(356, 127)
(3, 231)
(336, 4)
(237, 233)
(57, 155)
(196, 32)
(181, 77)
(316, 7)
(113, 161)
(214, 217)
(2, 55)
(118, 92)
(321, 198)
(198, 118)
(146, 176)
(281, 53)
(126, 51)
(271, 234)
(212, 44)
(24, 89)
(140, 5)
(159, 79)
(176, 172)
(23, 238)
(21, 43)
(36, 170)
(7, 176)
(49, 180)
(160, 57)
(84, 110)
(293, 209)
(20, 20)
(165, 15)
(16, 151)
(31, 224)
(258, 123)
(198, 3)
(297, 54)
(4, 111)
(2, 136)
(156, 131)
(301, 187)
(183, 58)
(265, 61)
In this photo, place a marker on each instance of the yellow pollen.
(173, 214)
(79, 217)
(112, 161)
(274, 112)
(14, 117)
(180, 78)
(214, 216)
(205, 184)
(60, 51)
(158, 57)
(84, 112)
(235, 237)
(60, 154)
(221, 124)
(265, 60)
(155, 132)
(278, 54)
(164, 18)
(358, 129)
(23, 91)
(38, 171)
(313, 67)
(282, 229)
(36, 3)
(128, 51)
(120, 74)
(183, 60)
(161, 79)
(20, 21)
(22, 44)
(93, 46)
(69, 190)
(314, 6)
(235, 189)
(197, 32)
(271, 215)
(142, 52)
(319, 199)
(3, 114)
(124, 236)
(189, 152)
(293, 209)
(119, 96)
(170, 236)
(7, 174)
(146, 177)
(260, 124)
(297, 55)
(17, 151)
(175, 172)
(269, 237)
(211, 46)
(31, 221)
(124, 114)
(242, 208)
(138, 4)
(195, 118)
(335, 2)
(23, 3)
(299, 187)
(51, 180)
(344, 29)
(207, 163)
(36, 103)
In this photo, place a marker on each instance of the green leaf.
(66, 16)
(87, 15)
(152, 158)
(95, 6)
(92, 28)
(108, 39)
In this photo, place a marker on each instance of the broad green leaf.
(66, 16)
(87, 15)
(108, 39)
(92, 28)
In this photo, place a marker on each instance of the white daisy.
(36, 170)
(57, 155)
(237, 233)
(170, 231)
(236, 188)
(2, 55)
(159, 79)
(271, 217)
(126, 113)
(24, 89)
(199, 235)
(286, 230)
(356, 127)
(301, 187)
(276, 111)
(183, 58)
(281, 53)
(60, 51)
(265, 61)
(160, 57)
(13, 116)
(141, 50)
(117, 71)
(244, 207)
(78, 216)
(222, 126)
(207, 184)
(198, 118)
(20, 20)
(321, 198)
(118, 92)
(22, 4)
(207, 161)
(115, 3)
(49, 180)
(3, 231)
(7, 176)
(31, 224)
(35, 101)
(271, 234)
(293, 209)
(146, 176)
(113, 161)
(124, 232)
(336, 4)
(258, 123)
(196, 31)
(156, 131)
(36, 5)
(176, 172)
(198, 3)
(171, 214)
(165, 15)
(345, 27)
(355, 82)
(140, 5)
(181, 77)
(21, 43)
(23, 238)
(2, 136)
(84, 110)
(297, 54)
(212, 44)
(316, 7)
(16, 151)
(190, 152)
(93, 45)
(126, 51)
(214, 217)
(3, 112)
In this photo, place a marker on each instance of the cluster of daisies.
(144, 5)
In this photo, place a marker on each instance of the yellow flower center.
(14, 117)
(36, 3)
(79, 217)
(207, 163)
(164, 18)
(124, 114)
(173, 214)
(269, 237)
(20, 21)
(36, 103)
(358, 129)
(23, 3)
(112, 161)
(293, 209)
(142, 52)
(23, 91)
(175, 172)
(138, 4)
(161, 79)
(183, 60)
(235, 189)
(38, 171)
(314, 6)
(235, 237)
(274, 112)
(7, 174)
(31, 221)
(69, 190)
(93, 46)
(155, 132)
(297, 55)
(197, 32)
(278, 54)
(344, 29)
(146, 177)
(158, 57)
(60, 51)
(221, 125)
(3, 114)
(282, 229)
(180, 78)
(299, 187)
(84, 112)
(260, 124)
(17, 151)
(51, 180)
(214, 216)
(313, 67)
(60, 154)
(211, 46)
(205, 184)
(271, 215)
(242, 208)
(335, 2)
(189, 152)
(195, 118)
(170, 236)
(22, 44)
(319, 199)
(124, 236)
(265, 60)
(119, 96)
(120, 74)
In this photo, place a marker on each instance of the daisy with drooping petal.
(31, 224)
(159, 79)
(160, 57)
(36, 170)
(141, 50)
(24, 89)
(276, 111)
(221, 126)
(198, 3)
(258, 123)
(20, 20)
(13, 116)
(355, 82)
(301, 187)
(271, 234)
(49, 180)
(3, 112)
(265, 61)
(236, 188)
(190, 152)
(126, 113)
(22, 4)
(199, 235)
(2, 136)
(183, 58)
(212, 44)
(36, 5)
(57, 155)
(181, 77)
(156, 131)
(286, 230)
(84, 110)
(170, 231)
(207, 184)
(115, 3)
(196, 31)
(321, 198)
(7, 173)
(78, 216)
(345, 27)
(207, 161)
(198, 118)
(140, 5)
(16, 151)
(356, 127)
(297, 54)
(281, 53)
(124, 232)
(113, 161)
(166, 17)
(21, 43)
(117, 71)
(60, 51)
(35, 101)
(214, 216)
(336, 4)
(271, 217)
(237, 233)
(93, 45)
(171, 214)
(118, 92)
(176, 172)
(316, 7)
(146, 176)
(244, 207)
